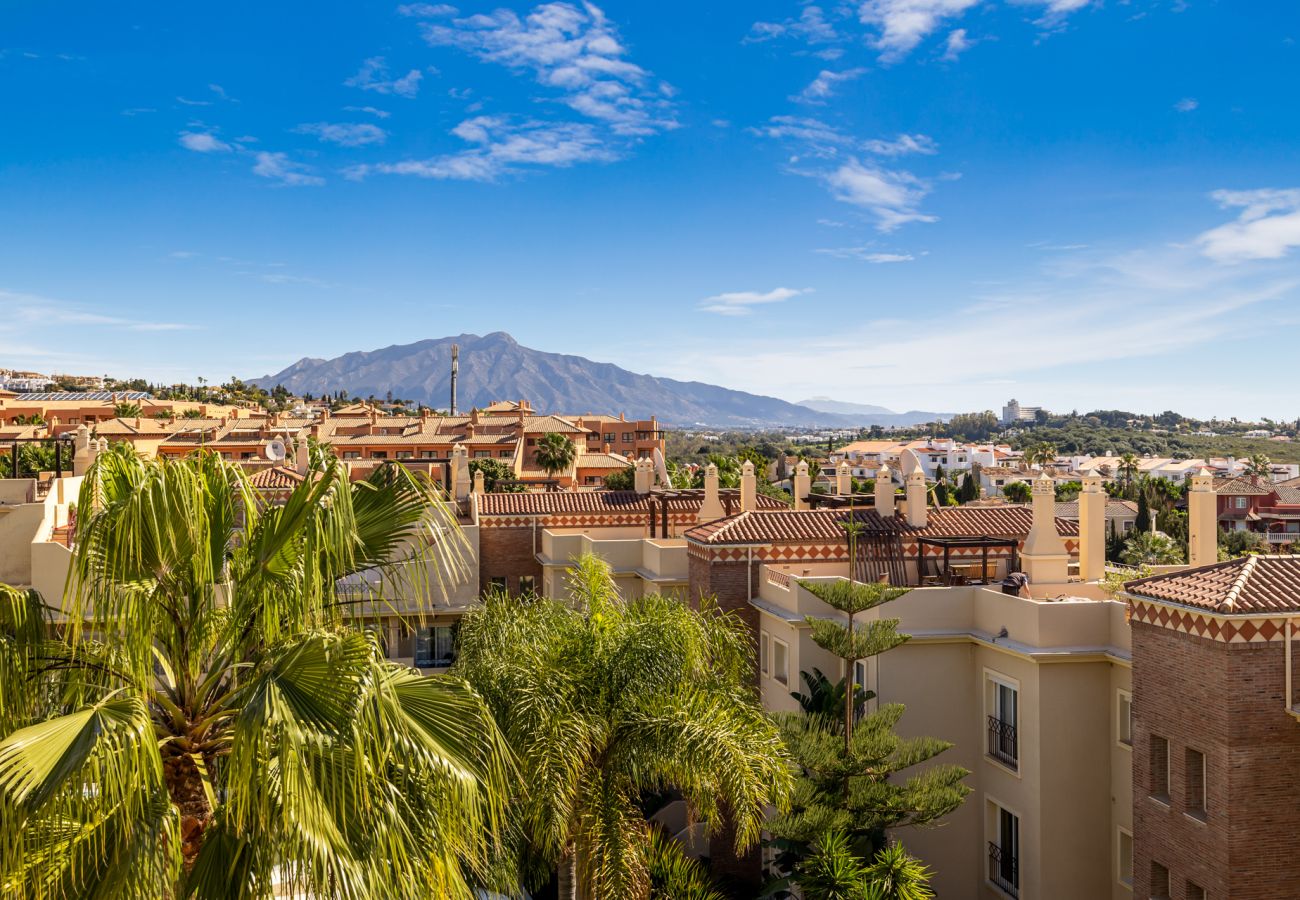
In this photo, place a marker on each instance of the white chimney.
(843, 479)
(802, 485)
(748, 486)
(711, 508)
(1202, 520)
(885, 492)
(1092, 529)
(1045, 558)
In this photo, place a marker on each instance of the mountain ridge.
(495, 366)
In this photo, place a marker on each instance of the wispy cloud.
(842, 163)
(1186, 105)
(823, 87)
(1267, 227)
(426, 10)
(345, 134)
(501, 146)
(902, 24)
(866, 254)
(377, 113)
(139, 111)
(203, 142)
(37, 311)
(185, 101)
(957, 44)
(278, 167)
(374, 76)
(741, 303)
(811, 27)
(575, 51)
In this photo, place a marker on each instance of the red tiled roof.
(1249, 584)
(276, 478)
(762, 527)
(556, 502)
(1241, 487)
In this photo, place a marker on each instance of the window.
(1002, 721)
(505, 454)
(1004, 852)
(1194, 784)
(609, 437)
(527, 584)
(1194, 891)
(498, 583)
(532, 442)
(1124, 857)
(780, 661)
(428, 454)
(404, 454)
(1241, 503)
(764, 652)
(1159, 881)
(482, 454)
(1158, 768)
(627, 437)
(379, 454)
(435, 646)
(1124, 725)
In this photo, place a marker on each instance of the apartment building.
(64, 411)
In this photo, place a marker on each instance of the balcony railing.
(1003, 745)
(1004, 870)
(1282, 537)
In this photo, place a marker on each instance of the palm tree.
(555, 453)
(126, 410)
(209, 724)
(1041, 454)
(1128, 467)
(607, 701)
(1259, 466)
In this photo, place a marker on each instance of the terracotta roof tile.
(1241, 487)
(1249, 584)
(556, 502)
(276, 478)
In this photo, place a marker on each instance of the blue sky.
(928, 204)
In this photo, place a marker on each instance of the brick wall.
(1226, 701)
(508, 553)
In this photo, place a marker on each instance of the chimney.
(1092, 529)
(1045, 558)
(885, 492)
(643, 476)
(843, 479)
(455, 373)
(460, 481)
(302, 456)
(1202, 520)
(711, 509)
(802, 485)
(748, 486)
(914, 489)
(606, 447)
(479, 483)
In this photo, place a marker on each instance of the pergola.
(728, 496)
(983, 542)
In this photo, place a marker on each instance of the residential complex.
(1138, 745)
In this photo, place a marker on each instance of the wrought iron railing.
(1004, 870)
(1003, 744)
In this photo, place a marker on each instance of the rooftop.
(1249, 584)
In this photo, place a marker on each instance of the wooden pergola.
(730, 497)
(948, 544)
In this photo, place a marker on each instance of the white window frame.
(777, 675)
(765, 653)
(992, 701)
(1120, 833)
(993, 835)
(1123, 700)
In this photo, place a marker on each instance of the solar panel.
(86, 395)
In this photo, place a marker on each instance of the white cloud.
(186, 102)
(957, 44)
(902, 24)
(377, 113)
(741, 303)
(903, 145)
(891, 195)
(823, 86)
(811, 27)
(1267, 227)
(374, 76)
(203, 142)
(279, 167)
(502, 146)
(577, 52)
(345, 134)
(37, 311)
(866, 254)
(426, 10)
(814, 137)
(1187, 104)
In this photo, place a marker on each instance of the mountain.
(867, 414)
(496, 367)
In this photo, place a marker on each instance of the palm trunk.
(185, 787)
(567, 876)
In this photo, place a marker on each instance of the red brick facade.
(1225, 700)
(508, 553)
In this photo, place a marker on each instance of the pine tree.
(848, 763)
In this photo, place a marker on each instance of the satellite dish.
(662, 469)
(275, 450)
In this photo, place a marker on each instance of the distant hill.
(873, 415)
(496, 367)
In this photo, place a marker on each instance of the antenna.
(275, 450)
(455, 370)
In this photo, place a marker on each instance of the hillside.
(496, 367)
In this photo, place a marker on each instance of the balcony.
(1004, 870)
(1003, 745)
(1282, 537)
